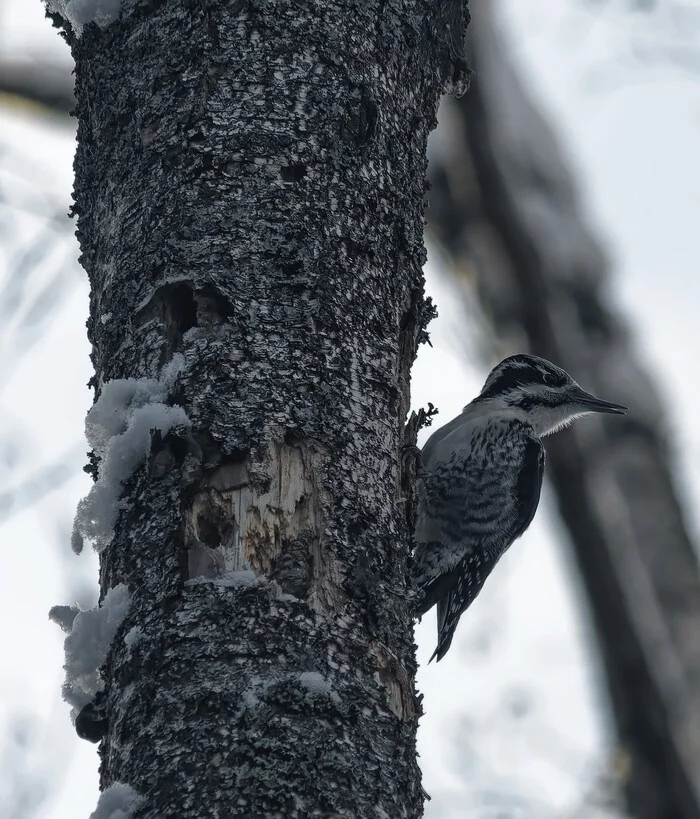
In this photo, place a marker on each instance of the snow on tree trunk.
(250, 181)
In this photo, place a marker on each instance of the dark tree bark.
(250, 180)
(506, 206)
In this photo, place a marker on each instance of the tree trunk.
(250, 181)
(507, 208)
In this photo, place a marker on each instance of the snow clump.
(88, 643)
(81, 12)
(118, 801)
(118, 427)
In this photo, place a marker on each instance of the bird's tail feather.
(445, 627)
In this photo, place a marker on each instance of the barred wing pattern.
(473, 504)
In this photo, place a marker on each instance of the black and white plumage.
(480, 481)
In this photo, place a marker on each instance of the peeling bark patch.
(289, 508)
(397, 682)
(269, 523)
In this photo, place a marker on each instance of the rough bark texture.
(506, 206)
(250, 182)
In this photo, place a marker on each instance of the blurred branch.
(505, 206)
(46, 84)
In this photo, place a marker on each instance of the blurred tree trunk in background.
(503, 203)
(250, 183)
(48, 85)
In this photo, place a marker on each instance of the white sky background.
(631, 124)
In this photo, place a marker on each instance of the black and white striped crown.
(523, 370)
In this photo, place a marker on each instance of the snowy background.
(516, 723)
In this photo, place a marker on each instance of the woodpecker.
(480, 478)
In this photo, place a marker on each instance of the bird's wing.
(453, 436)
(434, 576)
(528, 486)
(453, 567)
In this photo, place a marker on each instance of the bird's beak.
(589, 403)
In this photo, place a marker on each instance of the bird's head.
(545, 396)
